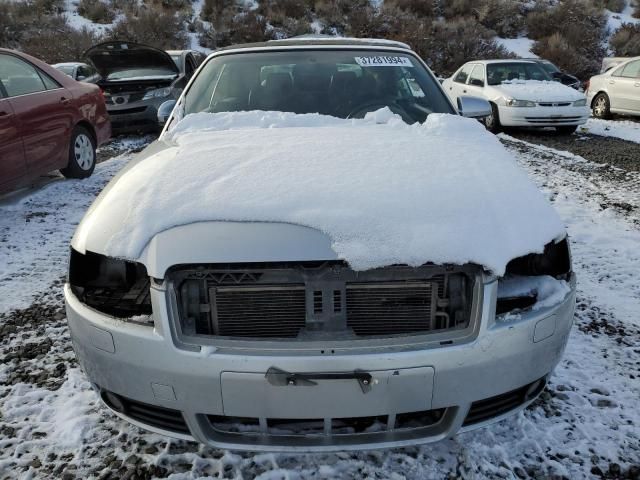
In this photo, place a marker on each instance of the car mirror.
(557, 74)
(81, 77)
(473, 107)
(476, 82)
(164, 111)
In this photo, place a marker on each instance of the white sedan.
(521, 94)
(616, 91)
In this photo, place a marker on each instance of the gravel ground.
(585, 425)
(595, 148)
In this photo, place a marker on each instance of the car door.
(12, 163)
(458, 85)
(43, 111)
(624, 87)
(475, 82)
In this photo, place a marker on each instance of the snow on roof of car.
(384, 192)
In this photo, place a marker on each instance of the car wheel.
(492, 122)
(82, 154)
(566, 130)
(601, 106)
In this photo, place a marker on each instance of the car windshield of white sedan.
(340, 83)
(507, 71)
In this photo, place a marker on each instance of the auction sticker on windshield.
(384, 61)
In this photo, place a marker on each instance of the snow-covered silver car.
(319, 254)
(616, 91)
(521, 93)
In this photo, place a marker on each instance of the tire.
(82, 154)
(492, 122)
(568, 130)
(601, 107)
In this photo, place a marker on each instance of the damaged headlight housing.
(119, 288)
(554, 261)
(512, 102)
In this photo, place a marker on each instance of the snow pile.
(624, 129)
(539, 91)
(385, 193)
(521, 46)
(548, 290)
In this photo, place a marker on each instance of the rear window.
(340, 83)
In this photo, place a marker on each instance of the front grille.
(126, 111)
(271, 311)
(492, 407)
(391, 309)
(320, 301)
(152, 415)
(556, 104)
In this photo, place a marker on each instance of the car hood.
(110, 57)
(380, 191)
(538, 91)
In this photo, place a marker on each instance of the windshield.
(549, 67)
(141, 73)
(341, 83)
(501, 72)
(66, 69)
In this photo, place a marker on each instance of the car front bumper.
(135, 116)
(182, 392)
(542, 116)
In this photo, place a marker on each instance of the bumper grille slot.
(483, 410)
(389, 309)
(152, 415)
(266, 311)
(293, 427)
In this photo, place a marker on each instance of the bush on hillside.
(625, 42)
(60, 44)
(505, 17)
(151, 27)
(96, 11)
(421, 8)
(613, 5)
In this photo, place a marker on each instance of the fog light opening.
(113, 401)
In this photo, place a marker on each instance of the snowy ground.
(586, 425)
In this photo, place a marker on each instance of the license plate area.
(392, 392)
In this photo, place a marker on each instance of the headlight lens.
(116, 287)
(512, 102)
(580, 103)
(158, 93)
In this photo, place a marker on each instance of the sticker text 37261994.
(384, 61)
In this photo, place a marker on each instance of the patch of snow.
(383, 191)
(521, 46)
(548, 290)
(317, 26)
(623, 129)
(616, 20)
(539, 91)
(78, 22)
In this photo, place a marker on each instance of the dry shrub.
(62, 44)
(613, 5)
(557, 49)
(422, 8)
(459, 8)
(159, 29)
(505, 17)
(285, 9)
(96, 11)
(625, 42)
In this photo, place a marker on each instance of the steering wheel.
(361, 110)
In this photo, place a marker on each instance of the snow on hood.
(384, 192)
(539, 91)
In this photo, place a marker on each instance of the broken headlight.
(119, 288)
(554, 261)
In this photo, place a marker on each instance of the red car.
(48, 121)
